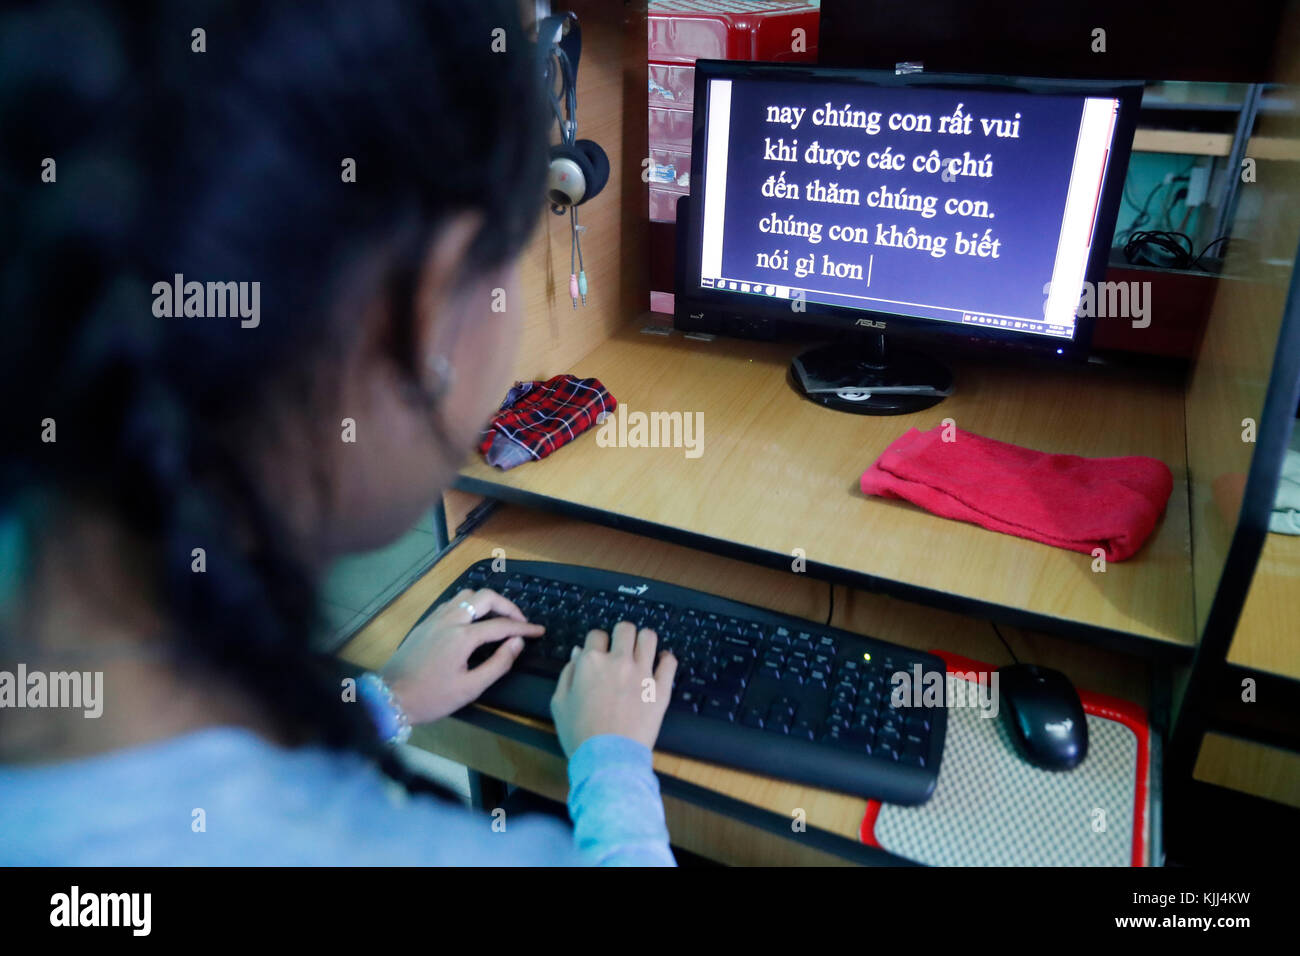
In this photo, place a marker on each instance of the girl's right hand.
(613, 687)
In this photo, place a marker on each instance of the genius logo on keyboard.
(638, 590)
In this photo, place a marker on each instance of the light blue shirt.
(265, 805)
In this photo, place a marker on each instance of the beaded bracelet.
(384, 709)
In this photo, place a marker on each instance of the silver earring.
(444, 376)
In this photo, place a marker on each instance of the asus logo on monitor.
(870, 324)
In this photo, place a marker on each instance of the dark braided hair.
(225, 165)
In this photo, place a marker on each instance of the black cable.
(1004, 642)
(831, 613)
(1179, 256)
(1197, 261)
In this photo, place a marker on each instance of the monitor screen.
(942, 203)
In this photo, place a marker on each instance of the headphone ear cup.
(599, 163)
(569, 180)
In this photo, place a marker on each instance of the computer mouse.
(1044, 716)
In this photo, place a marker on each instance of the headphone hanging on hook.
(579, 168)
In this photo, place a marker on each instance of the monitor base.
(868, 379)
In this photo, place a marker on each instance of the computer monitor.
(828, 202)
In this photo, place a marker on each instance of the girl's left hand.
(430, 673)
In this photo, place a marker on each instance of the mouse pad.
(991, 808)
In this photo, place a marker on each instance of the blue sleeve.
(618, 814)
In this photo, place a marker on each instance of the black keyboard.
(756, 690)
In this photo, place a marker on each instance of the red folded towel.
(1062, 500)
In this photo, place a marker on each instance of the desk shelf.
(520, 749)
(779, 475)
(1268, 633)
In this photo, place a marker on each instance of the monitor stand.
(868, 378)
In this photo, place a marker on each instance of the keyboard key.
(693, 683)
(685, 702)
(739, 644)
(804, 728)
(736, 665)
(846, 740)
(753, 718)
(727, 690)
(707, 670)
(913, 752)
(838, 722)
(719, 708)
(783, 705)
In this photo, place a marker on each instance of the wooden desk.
(727, 815)
(1268, 634)
(779, 473)
(1267, 643)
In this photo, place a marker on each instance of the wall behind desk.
(611, 111)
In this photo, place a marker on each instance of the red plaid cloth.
(539, 417)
